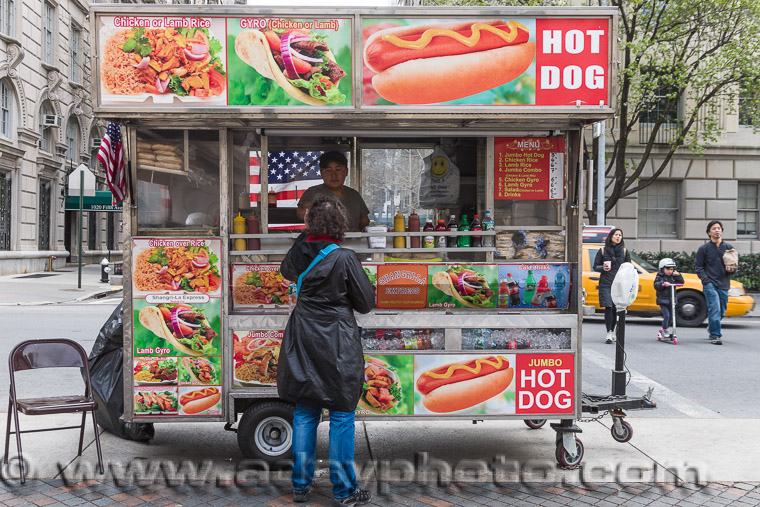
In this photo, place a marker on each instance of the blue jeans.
(666, 322)
(342, 473)
(717, 300)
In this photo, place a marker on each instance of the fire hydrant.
(104, 270)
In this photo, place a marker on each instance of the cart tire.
(564, 459)
(534, 424)
(691, 309)
(265, 431)
(623, 436)
(675, 341)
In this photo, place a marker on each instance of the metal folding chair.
(49, 353)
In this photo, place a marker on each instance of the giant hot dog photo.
(448, 60)
(466, 384)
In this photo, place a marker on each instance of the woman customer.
(607, 262)
(321, 364)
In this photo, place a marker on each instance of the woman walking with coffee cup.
(607, 262)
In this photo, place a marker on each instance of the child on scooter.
(666, 277)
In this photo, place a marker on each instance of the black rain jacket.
(618, 255)
(663, 293)
(321, 363)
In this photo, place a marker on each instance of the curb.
(97, 295)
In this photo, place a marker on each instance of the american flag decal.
(290, 174)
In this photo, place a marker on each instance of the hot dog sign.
(490, 62)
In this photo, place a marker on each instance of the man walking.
(715, 278)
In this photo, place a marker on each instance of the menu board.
(529, 168)
(468, 383)
(177, 327)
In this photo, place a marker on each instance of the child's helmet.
(667, 262)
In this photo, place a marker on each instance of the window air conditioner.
(94, 144)
(51, 120)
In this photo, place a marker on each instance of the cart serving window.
(458, 135)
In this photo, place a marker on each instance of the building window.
(92, 230)
(8, 17)
(48, 29)
(6, 109)
(72, 140)
(658, 210)
(44, 215)
(747, 210)
(76, 37)
(747, 107)
(46, 133)
(5, 211)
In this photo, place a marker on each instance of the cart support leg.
(618, 374)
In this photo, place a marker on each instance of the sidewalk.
(59, 286)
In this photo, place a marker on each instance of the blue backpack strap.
(321, 255)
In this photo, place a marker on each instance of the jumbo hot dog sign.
(520, 61)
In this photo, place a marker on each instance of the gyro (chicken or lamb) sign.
(168, 57)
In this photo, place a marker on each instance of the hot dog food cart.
(463, 132)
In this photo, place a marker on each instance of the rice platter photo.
(190, 269)
(181, 62)
(260, 288)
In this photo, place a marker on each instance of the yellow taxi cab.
(691, 309)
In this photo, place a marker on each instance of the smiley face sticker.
(439, 167)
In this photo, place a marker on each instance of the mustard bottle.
(399, 225)
(239, 227)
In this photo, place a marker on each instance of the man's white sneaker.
(610, 337)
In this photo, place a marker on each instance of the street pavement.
(669, 461)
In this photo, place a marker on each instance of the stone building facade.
(46, 130)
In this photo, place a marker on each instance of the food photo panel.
(387, 388)
(177, 328)
(255, 357)
(260, 286)
(177, 265)
(162, 61)
(462, 286)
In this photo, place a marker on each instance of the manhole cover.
(37, 275)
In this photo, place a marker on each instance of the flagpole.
(81, 208)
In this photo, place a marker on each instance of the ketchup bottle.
(414, 226)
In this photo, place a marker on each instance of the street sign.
(101, 201)
(75, 181)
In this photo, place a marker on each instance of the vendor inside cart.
(333, 167)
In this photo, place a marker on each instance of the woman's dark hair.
(332, 156)
(327, 217)
(608, 241)
(713, 222)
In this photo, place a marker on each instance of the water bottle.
(488, 225)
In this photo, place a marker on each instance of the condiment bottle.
(530, 288)
(476, 241)
(514, 291)
(451, 241)
(440, 240)
(463, 241)
(428, 241)
(238, 227)
(253, 228)
(414, 226)
(272, 199)
(488, 225)
(541, 289)
(399, 226)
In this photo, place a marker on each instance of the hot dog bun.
(452, 61)
(467, 393)
(194, 402)
(446, 78)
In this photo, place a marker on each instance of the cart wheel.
(564, 459)
(534, 424)
(265, 431)
(675, 341)
(625, 434)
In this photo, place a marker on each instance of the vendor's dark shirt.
(709, 265)
(356, 209)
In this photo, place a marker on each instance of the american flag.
(290, 174)
(110, 155)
